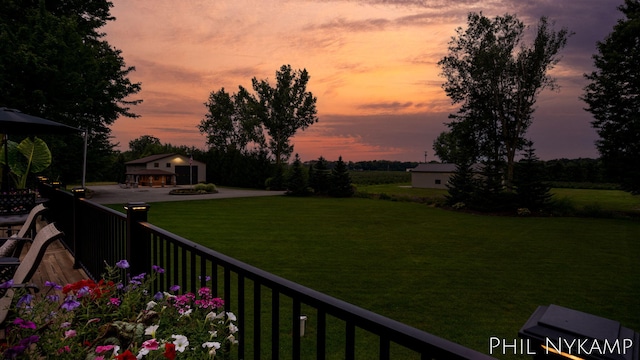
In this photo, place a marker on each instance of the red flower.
(170, 351)
(79, 285)
(127, 355)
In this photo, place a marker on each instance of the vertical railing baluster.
(167, 264)
(295, 348)
(176, 267)
(193, 266)
(321, 336)
(385, 348)
(350, 343)
(257, 319)
(203, 272)
(227, 289)
(275, 324)
(241, 317)
(183, 275)
(214, 278)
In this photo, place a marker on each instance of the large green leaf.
(31, 155)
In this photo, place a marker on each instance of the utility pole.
(425, 156)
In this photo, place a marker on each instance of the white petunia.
(151, 330)
(181, 342)
(231, 316)
(151, 305)
(210, 316)
(211, 344)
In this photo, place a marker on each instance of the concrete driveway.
(114, 194)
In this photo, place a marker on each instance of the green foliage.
(144, 146)
(319, 179)
(205, 188)
(30, 156)
(229, 123)
(277, 181)
(283, 109)
(612, 98)
(532, 192)
(496, 79)
(297, 182)
(380, 177)
(341, 181)
(274, 112)
(57, 65)
(462, 185)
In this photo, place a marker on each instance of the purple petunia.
(123, 264)
(6, 284)
(25, 300)
(158, 269)
(52, 285)
(24, 324)
(70, 303)
(174, 288)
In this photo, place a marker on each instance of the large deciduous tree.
(56, 64)
(229, 123)
(284, 108)
(266, 119)
(496, 78)
(613, 97)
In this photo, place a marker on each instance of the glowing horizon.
(373, 68)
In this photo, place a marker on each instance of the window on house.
(156, 164)
(168, 165)
(438, 182)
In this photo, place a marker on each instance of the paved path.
(114, 194)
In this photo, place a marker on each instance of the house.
(432, 175)
(165, 169)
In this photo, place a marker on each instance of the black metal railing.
(271, 310)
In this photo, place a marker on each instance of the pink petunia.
(104, 348)
(151, 344)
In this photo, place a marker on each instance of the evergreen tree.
(613, 100)
(319, 177)
(531, 190)
(462, 186)
(297, 184)
(340, 180)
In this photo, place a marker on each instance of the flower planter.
(17, 202)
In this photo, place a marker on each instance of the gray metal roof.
(435, 168)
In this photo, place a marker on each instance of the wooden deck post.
(138, 248)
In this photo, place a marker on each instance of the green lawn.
(459, 276)
(609, 200)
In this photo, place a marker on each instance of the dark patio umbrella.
(14, 121)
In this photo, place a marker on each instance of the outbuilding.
(432, 175)
(165, 170)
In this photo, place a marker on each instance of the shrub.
(207, 188)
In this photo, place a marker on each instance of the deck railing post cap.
(137, 206)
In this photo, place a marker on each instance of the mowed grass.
(459, 276)
(608, 200)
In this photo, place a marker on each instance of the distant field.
(584, 201)
(459, 276)
(610, 200)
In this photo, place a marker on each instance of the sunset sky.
(373, 68)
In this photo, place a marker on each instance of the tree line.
(57, 64)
